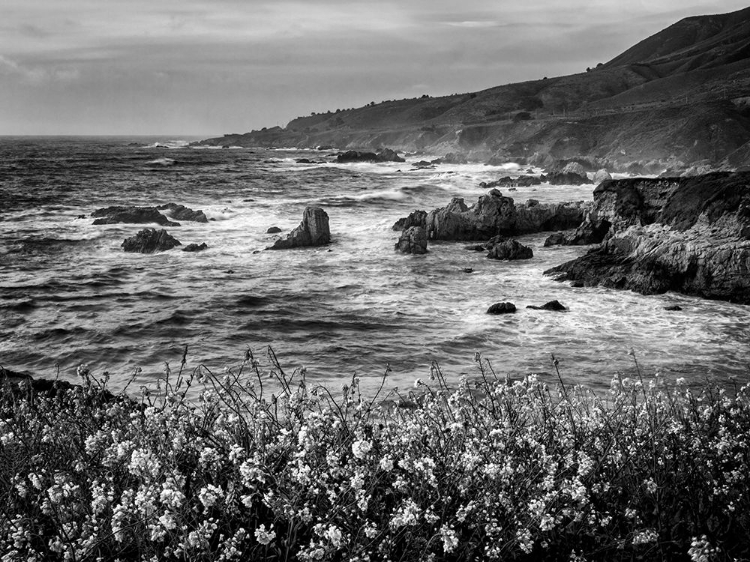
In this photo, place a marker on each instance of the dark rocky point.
(415, 218)
(150, 240)
(501, 308)
(551, 305)
(131, 215)
(183, 213)
(510, 250)
(312, 231)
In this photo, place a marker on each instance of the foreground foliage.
(490, 470)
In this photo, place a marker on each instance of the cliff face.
(690, 235)
(676, 99)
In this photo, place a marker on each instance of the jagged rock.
(182, 213)
(551, 305)
(415, 218)
(131, 215)
(600, 176)
(574, 168)
(150, 240)
(510, 250)
(413, 241)
(501, 308)
(388, 155)
(312, 231)
(678, 234)
(495, 214)
(195, 247)
(273, 230)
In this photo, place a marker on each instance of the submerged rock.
(413, 241)
(312, 231)
(150, 240)
(502, 308)
(273, 230)
(131, 215)
(183, 213)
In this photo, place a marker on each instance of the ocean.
(70, 296)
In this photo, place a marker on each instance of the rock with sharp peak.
(314, 230)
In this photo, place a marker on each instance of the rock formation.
(690, 235)
(413, 240)
(501, 308)
(384, 155)
(150, 240)
(600, 176)
(195, 247)
(183, 213)
(510, 250)
(415, 218)
(131, 215)
(551, 305)
(312, 231)
(494, 214)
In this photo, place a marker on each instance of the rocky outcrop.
(415, 218)
(150, 240)
(312, 231)
(131, 215)
(195, 247)
(690, 235)
(600, 176)
(551, 305)
(384, 155)
(510, 250)
(183, 213)
(413, 240)
(502, 308)
(494, 214)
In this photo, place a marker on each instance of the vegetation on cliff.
(679, 97)
(488, 470)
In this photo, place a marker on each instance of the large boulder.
(413, 240)
(312, 231)
(131, 215)
(183, 213)
(689, 235)
(510, 250)
(502, 308)
(150, 240)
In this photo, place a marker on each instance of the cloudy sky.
(210, 67)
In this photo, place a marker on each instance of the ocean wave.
(162, 162)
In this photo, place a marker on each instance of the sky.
(205, 68)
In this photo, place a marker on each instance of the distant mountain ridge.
(679, 98)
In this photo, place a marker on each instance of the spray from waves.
(162, 162)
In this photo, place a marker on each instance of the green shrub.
(489, 470)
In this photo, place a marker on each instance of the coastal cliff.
(676, 100)
(689, 235)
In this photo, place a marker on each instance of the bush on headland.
(490, 470)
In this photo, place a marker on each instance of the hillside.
(680, 97)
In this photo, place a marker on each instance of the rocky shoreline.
(689, 235)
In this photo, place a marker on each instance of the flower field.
(486, 470)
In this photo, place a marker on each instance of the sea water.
(70, 296)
